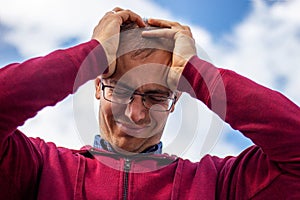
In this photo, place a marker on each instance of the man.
(137, 92)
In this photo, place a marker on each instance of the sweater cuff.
(90, 61)
(191, 80)
(203, 81)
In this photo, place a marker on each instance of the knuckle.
(117, 8)
(187, 28)
(176, 24)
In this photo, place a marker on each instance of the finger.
(117, 9)
(128, 15)
(165, 33)
(163, 23)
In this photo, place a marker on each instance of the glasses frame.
(103, 86)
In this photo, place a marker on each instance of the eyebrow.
(157, 91)
(149, 91)
(119, 83)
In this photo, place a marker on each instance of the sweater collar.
(103, 144)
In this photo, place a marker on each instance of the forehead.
(143, 69)
(148, 57)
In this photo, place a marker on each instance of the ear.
(98, 88)
(177, 95)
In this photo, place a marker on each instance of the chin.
(126, 144)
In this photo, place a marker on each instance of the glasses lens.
(158, 102)
(117, 95)
(155, 102)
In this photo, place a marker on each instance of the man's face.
(133, 127)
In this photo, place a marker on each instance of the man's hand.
(184, 47)
(108, 30)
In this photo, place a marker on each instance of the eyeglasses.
(155, 101)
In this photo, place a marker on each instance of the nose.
(136, 110)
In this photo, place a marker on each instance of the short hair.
(132, 41)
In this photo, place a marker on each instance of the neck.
(100, 143)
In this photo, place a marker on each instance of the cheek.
(109, 112)
(105, 116)
(104, 108)
(159, 118)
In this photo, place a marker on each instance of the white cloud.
(38, 27)
(264, 46)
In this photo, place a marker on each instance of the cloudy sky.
(259, 39)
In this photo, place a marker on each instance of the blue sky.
(8, 52)
(256, 38)
(217, 16)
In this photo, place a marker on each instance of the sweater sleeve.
(25, 89)
(28, 87)
(265, 116)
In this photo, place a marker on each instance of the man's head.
(136, 101)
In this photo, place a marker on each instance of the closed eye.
(158, 98)
(122, 92)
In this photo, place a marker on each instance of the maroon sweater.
(33, 169)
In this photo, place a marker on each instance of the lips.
(132, 129)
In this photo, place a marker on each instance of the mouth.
(132, 129)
